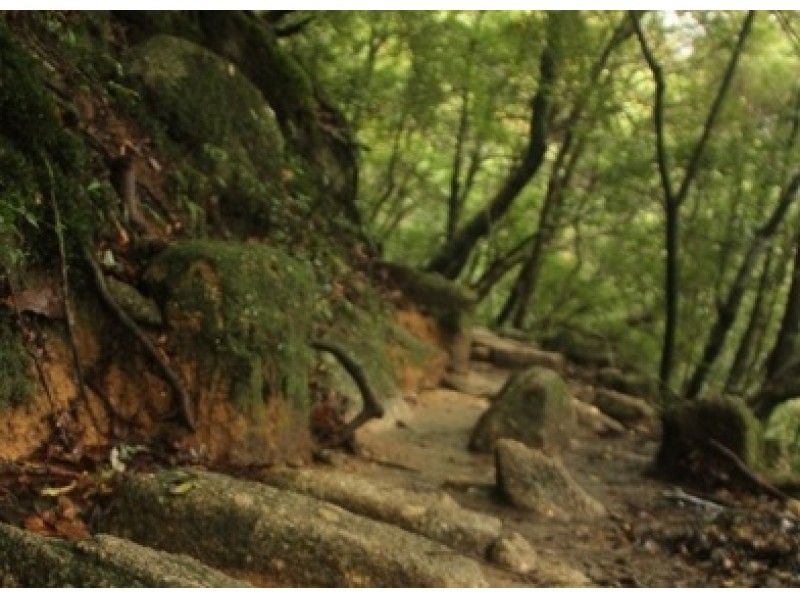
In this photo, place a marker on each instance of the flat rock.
(30, 560)
(479, 384)
(291, 538)
(533, 407)
(507, 352)
(625, 408)
(595, 420)
(533, 481)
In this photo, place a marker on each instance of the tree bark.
(781, 360)
(452, 257)
(744, 352)
(672, 200)
(729, 309)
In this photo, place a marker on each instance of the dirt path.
(423, 446)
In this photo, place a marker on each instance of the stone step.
(289, 538)
(31, 560)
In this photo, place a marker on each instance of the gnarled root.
(371, 409)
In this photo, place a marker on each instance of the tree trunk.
(730, 307)
(743, 356)
(672, 200)
(781, 360)
(452, 257)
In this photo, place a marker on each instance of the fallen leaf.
(182, 487)
(58, 490)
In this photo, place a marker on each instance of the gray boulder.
(531, 480)
(533, 407)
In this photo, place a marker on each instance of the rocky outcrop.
(531, 480)
(534, 407)
(476, 383)
(289, 538)
(30, 560)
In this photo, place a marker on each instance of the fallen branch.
(371, 408)
(184, 401)
(743, 469)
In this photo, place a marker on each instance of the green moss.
(688, 426)
(204, 100)
(246, 308)
(16, 385)
(782, 437)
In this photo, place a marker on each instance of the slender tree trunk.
(522, 293)
(672, 200)
(454, 202)
(452, 257)
(730, 307)
(738, 369)
(498, 268)
(776, 386)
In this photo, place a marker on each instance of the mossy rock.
(31, 560)
(205, 99)
(687, 428)
(782, 437)
(534, 407)
(242, 309)
(142, 309)
(207, 105)
(579, 348)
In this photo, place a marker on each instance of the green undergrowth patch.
(244, 307)
(16, 385)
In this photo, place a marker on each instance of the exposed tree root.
(182, 395)
(371, 409)
(744, 470)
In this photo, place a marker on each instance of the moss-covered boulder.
(534, 407)
(629, 410)
(580, 348)
(688, 427)
(204, 98)
(207, 105)
(239, 317)
(782, 437)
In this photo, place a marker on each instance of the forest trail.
(412, 506)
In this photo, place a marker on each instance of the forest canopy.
(630, 177)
